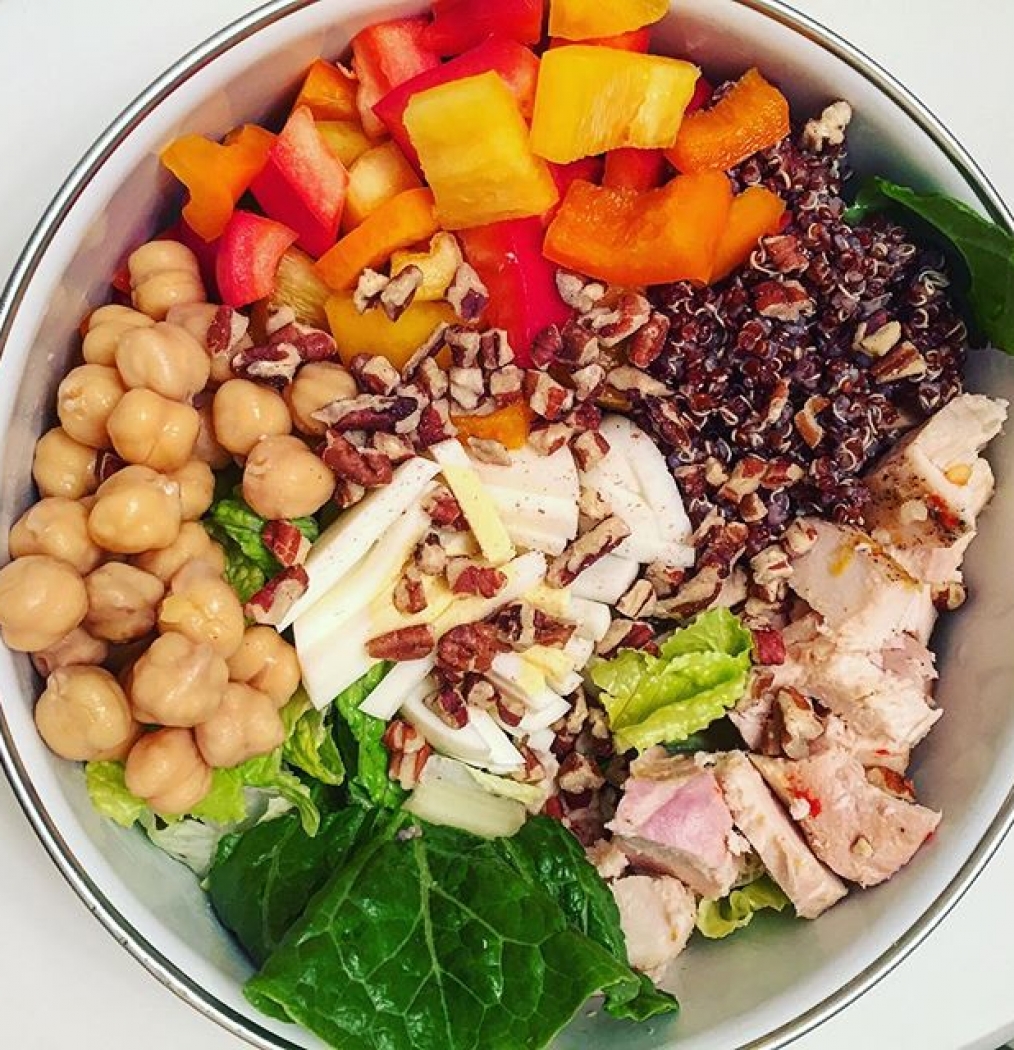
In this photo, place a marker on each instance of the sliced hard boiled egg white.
(591, 619)
(520, 680)
(606, 580)
(552, 476)
(557, 665)
(553, 601)
(341, 547)
(408, 680)
(468, 807)
(536, 522)
(580, 650)
(466, 744)
(645, 543)
(476, 503)
(522, 574)
(459, 544)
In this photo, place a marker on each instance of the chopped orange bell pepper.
(753, 116)
(329, 92)
(634, 169)
(472, 143)
(755, 213)
(216, 174)
(510, 426)
(631, 238)
(594, 99)
(373, 333)
(402, 222)
(586, 19)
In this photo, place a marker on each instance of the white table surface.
(66, 68)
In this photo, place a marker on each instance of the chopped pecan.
(638, 602)
(286, 542)
(578, 774)
(467, 386)
(520, 625)
(752, 508)
(550, 437)
(366, 467)
(579, 293)
(449, 706)
(628, 380)
(278, 317)
(746, 478)
(694, 595)
(427, 350)
(375, 374)
(368, 290)
(583, 552)
(347, 493)
(488, 450)
(586, 416)
(785, 253)
(510, 710)
(400, 291)
(495, 350)
(878, 342)
(589, 448)
(668, 421)
(829, 128)
(430, 558)
(800, 725)
(546, 347)
(891, 781)
(625, 634)
(772, 563)
(271, 603)
(649, 341)
(107, 464)
(546, 396)
(768, 646)
(409, 752)
(431, 379)
(468, 296)
(370, 412)
(630, 314)
(588, 381)
(664, 579)
(903, 362)
(393, 447)
(410, 593)
(406, 643)
(479, 692)
(533, 771)
(435, 424)
(443, 508)
(579, 346)
(467, 577)
(506, 385)
(592, 505)
(464, 345)
(949, 596)
(311, 344)
(806, 422)
(275, 364)
(783, 300)
(226, 330)
(799, 537)
(468, 648)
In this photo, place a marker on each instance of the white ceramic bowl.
(772, 982)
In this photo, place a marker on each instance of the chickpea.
(177, 682)
(63, 466)
(246, 724)
(167, 771)
(76, 648)
(284, 479)
(105, 326)
(85, 400)
(164, 274)
(204, 608)
(206, 447)
(136, 510)
(56, 526)
(207, 324)
(316, 385)
(122, 602)
(153, 431)
(197, 488)
(244, 413)
(192, 545)
(266, 661)
(164, 358)
(41, 601)
(83, 714)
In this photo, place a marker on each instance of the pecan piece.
(375, 374)
(546, 347)
(427, 350)
(903, 362)
(467, 577)
(366, 467)
(464, 345)
(649, 341)
(286, 542)
(408, 750)
(431, 379)
(579, 346)
(467, 386)
(785, 253)
(694, 595)
(487, 450)
(579, 293)
(631, 313)
(271, 603)
(430, 557)
(768, 646)
(606, 536)
(406, 643)
(639, 601)
(274, 364)
(578, 775)
(879, 342)
(546, 396)
(310, 343)
(506, 385)
(347, 493)
(588, 381)
(393, 447)
(628, 380)
(467, 295)
(449, 706)
(495, 350)
(435, 424)
(443, 508)
(409, 593)
(468, 648)
(783, 300)
(589, 449)
(369, 288)
(370, 412)
(400, 291)
(800, 725)
(806, 422)
(625, 634)
(550, 437)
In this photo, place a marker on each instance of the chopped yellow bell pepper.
(377, 176)
(439, 263)
(594, 99)
(345, 139)
(372, 332)
(590, 19)
(473, 146)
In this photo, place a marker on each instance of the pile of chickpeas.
(116, 589)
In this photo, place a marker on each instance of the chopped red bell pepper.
(516, 64)
(206, 252)
(634, 169)
(303, 184)
(385, 55)
(523, 297)
(702, 95)
(635, 40)
(460, 24)
(248, 256)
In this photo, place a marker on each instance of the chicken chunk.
(928, 491)
(862, 593)
(788, 860)
(658, 916)
(862, 833)
(681, 827)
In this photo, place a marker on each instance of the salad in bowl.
(493, 533)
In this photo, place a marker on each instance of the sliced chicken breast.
(782, 849)
(859, 831)
(658, 916)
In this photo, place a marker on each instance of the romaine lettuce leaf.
(720, 918)
(310, 744)
(701, 671)
(110, 796)
(439, 943)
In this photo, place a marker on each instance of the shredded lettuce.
(720, 918)
(701, 671)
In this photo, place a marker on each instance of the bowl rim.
(12, 295)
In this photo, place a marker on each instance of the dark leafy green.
(986, 247)
(262, 880)
(360, 742)
(551, 858)
(438, 943)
